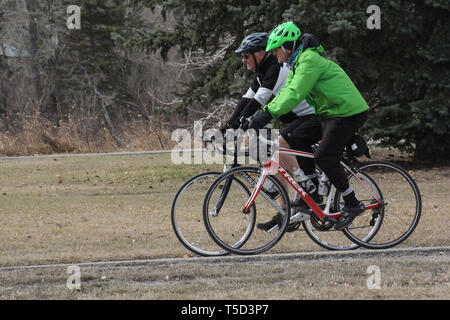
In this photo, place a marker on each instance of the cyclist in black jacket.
(269, 77)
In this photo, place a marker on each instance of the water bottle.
(324, 185)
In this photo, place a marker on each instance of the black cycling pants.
(336, 134)
(300, 135)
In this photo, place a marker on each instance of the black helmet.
(254, 42)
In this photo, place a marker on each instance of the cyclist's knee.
(324, 160)
(283, 143)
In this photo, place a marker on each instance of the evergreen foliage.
(93, 46)
(402, 69)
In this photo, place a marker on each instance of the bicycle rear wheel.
(400, 209)
(323, 234)
(186, 216)
(231, 223)
(366, 227)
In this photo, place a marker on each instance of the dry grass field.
(401, 277)
(97, 208)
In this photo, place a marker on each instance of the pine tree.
(402, 69)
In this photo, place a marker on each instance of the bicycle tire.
(401, 201)
(223, 233)
(196, 239)
(315, 234)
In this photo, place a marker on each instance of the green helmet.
(286, 32)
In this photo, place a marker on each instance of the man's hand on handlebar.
(260, 120)
(253, 122)
(244, 123)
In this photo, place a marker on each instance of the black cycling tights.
(336, 134)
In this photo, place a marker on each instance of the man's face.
(249, 59)
(282, 55)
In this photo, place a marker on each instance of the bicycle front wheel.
(400, 208)
(226, 221)
(186, 216)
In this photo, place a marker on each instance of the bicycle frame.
(323, 215)
(226, 187)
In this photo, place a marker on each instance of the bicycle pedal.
(272, 229)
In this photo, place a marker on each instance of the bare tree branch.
(108, 121)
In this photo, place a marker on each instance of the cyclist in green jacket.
(336, 100)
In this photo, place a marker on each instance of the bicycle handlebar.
(216, 147)
(246, 152)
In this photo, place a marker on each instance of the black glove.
(251, 108)
(244, 123)
(234, 123)
(260, 120)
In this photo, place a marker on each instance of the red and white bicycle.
(236, 201)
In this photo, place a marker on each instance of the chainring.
(319, 224)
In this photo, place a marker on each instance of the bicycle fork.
(259, 185)
(259, 189)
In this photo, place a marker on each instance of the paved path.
(301, 256)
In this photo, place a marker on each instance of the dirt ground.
(73, 210)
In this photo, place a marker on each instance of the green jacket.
(324, 85)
